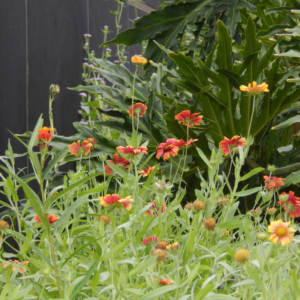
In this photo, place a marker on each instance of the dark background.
(42, 44)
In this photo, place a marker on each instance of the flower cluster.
(273, 183)
(45, 136)
(21, 269)
(139, 60)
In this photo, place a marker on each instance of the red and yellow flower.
(292, 205)
(45, 134)
(114, 200)
(78, 150)
(92, 141)
(51, 219)
(154, 209)
(281, 233)
(165, 281)
(147, 171)
(139, 60)
(21, 269)
(138, 109)
(188, 119)
(183, 143)
(273, 183)
(229, 146)
(255, 89)
(120, 162)
(131, 151)
(173, 248)
(167, 148)
(150, 241)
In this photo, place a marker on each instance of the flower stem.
(251, 119)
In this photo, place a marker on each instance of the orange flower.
(166, 149)
(281, 232)
(255, 89)
(273, 183)
(150, 241)
(92, 141)
(137, 109)
(154, 209)
(229, 146)
(188, 119)
(165, 281)
(173, 247)
(121, 163)
(139, 60)
(51, 218)
(147, 171)
(114, 199)
(131, 151)
(78, 150)
(21, 269)
(45, 134)
(292, 205)
(182, 143)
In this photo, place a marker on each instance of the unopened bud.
(271, 168)
(284, 197)
(55, 89)
(262, 236)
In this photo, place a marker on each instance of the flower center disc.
(281, 231)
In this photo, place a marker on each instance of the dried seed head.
(3, 225)
(161, 254)
(188, 206)
(241, 256)
(162, 245)
(209, 223)
(198, 205)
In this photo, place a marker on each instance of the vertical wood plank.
(55, 56)
(13, 74)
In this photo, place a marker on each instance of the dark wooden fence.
(42, 44)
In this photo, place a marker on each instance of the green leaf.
(63, 218)
(55, 160)
(82, 283)
(293, 178)
(251, 173)
(204, 291)
(142, 266)
(44, 295)
(287, 123)
(32, 246)
(247, 192)
(290, 53)
(204, 158)
(233, 224)
(220, 297)
(256, 277)
(115, 250)
(158, 292)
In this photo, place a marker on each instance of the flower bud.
(262, 236)
(198, 205)
(284, 197)
(271, 211)
(209, 223)
(271, 168)
(161, 254)
(104, 218)
(241, 256)
(55, 89)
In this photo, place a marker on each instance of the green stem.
(251, 119)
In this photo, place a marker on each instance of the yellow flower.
(255, 89)
(281, 232)
(139, 60)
